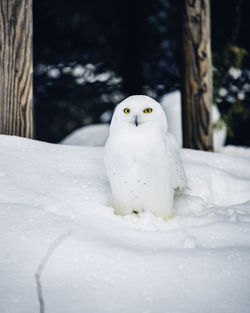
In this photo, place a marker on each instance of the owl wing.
(178, 175)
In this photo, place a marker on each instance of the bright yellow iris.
(126, 110)
(148, 110)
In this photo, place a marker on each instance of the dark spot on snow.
(136, 212)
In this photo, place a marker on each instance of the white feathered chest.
(139, 166)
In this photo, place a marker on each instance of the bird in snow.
(142, 159)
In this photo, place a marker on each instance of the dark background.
(89, 55)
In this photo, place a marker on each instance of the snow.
(233, 150)
(55, 212)
(235, 72)
(92, 136)
(171, 104)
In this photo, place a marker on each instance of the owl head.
(139, 113)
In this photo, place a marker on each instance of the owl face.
(139, 113)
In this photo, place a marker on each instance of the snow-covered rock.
(59, 233)
(171, 104)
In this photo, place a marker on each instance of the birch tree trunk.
(197, 76)
(16, 83)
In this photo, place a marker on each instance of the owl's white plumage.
(142, 159)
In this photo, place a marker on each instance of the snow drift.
(55, 212)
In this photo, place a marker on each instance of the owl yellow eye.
(126, 110)
(148, 110)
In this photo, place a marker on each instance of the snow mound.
(94, 135)
(171, 104)
(239, 151)
(55, 212)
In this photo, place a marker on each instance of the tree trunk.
(16, 116)
(197, 75)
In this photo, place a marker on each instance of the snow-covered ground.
(59, 236)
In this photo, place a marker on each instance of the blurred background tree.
(231, 59)
(89, 55)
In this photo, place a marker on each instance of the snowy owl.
(142, 159)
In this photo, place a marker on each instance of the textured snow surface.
(55, 212)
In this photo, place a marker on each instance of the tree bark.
(197, 76)
(16, 66)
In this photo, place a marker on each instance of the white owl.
(142, 159)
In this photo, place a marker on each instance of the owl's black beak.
(136, 121)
